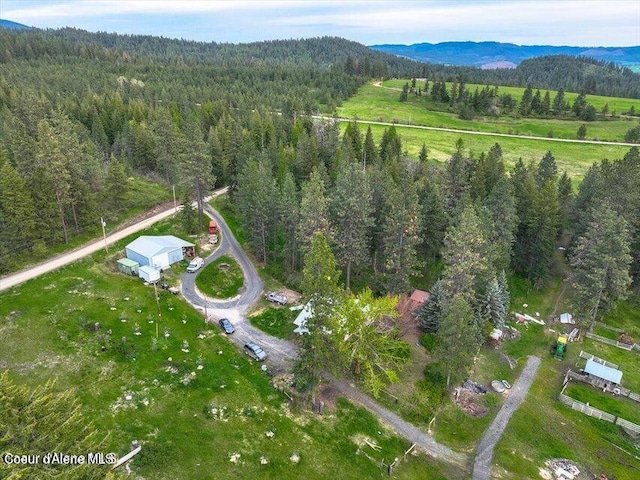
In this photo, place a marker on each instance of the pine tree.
(188, 214)
(352, 209)
(458, 339)
(320, 286)
(430, 314)
(466, 255)
(423, 154)
(116, 187)
(504, 290)
(289, 218)
(600, 264)
(493, 309)
(42, 421)
(314, 211)
(370, 154)
(502, 211)
(559, 103)
(257, 200)
(433, 218)
(401, 229)
(196, 166)
(17, 211)
(525, 102)
(565, 198)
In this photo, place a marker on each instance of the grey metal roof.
(149, 246)
(601, 371)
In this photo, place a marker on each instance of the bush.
(633, 135)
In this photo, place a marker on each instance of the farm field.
(167, 381)
(573, 157)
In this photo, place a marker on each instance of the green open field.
(177, 385)
(573, 157)
(618, 104)
(380, 104)
(616, 405)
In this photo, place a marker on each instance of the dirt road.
(69, 257)
(484, 452)
(281, 353)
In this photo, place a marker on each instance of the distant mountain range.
(504, 55)
(13, 25)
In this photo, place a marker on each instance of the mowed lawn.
(572, 157)
(199, 408)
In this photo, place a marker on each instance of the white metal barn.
(157, 252)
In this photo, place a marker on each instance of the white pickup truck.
(276, 297)
(195, 265)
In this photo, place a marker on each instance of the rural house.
(158, 252)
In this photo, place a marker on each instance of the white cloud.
(568, 22)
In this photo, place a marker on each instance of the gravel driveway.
(484, 452)
(280, 353)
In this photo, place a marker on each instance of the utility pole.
(155, 289)
(104, 234)
(175, 204)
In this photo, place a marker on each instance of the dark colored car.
(255, 352)
(226, 326)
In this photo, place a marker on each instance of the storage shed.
(130, 267)
(149, 274)
(158, 252)
(601, 375)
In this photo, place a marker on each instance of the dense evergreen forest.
(553, 72)
(76, 120)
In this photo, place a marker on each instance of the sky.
(585, 23)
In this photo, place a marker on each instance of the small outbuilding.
(127, 266)
(159, 252)
(149, 274)
(301, 319)
(602, 376)
(567, 318)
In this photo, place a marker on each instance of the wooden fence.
(615, 343)
(594, 412)
(586, 409)
(588, 356)
(627, 425)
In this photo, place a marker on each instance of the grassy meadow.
(199, 408)
(573, 157)
(380, 104)
(617, 104)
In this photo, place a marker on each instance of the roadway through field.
(473, 132)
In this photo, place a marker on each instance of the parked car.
(195, 265)
(254, 351)
(276, 297)
(226, 326)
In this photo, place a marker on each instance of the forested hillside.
(81, 112)
(78, 120)
(573, 74)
